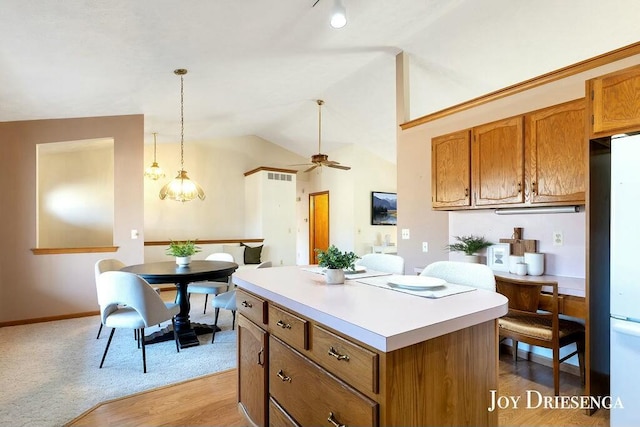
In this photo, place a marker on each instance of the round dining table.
(170, 272)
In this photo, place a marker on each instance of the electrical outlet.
(134, 234)
(425, 247)
(405, 233)
(558, 238)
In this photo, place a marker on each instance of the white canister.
(535, 263)
(521, 269)
(514, 260)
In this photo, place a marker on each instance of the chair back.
(523, 296)
(220, 256)
(106, 264)
(122, 288)
(386, 263)
(462, 273)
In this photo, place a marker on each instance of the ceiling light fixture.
(338, 15)
(154, 171)
(181, 188)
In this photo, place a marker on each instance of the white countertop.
(566, 285)
(384, 319)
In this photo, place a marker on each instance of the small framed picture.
(498, 256)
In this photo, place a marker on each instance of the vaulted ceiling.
(256, 67)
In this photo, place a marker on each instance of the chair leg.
(99, 330)
(514, 349)
(206, 296)
(175, 334)
(215, 324)
(556, 371)
(580, 346)
(107, 348)
(233, 320)
(144, 355)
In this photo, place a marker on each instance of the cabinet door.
(252, 371)
(556, 148)
(498, 162)
(615, 102)
(450, 170)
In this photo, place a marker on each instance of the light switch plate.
(425, 246)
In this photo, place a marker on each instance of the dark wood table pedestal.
(169, 272)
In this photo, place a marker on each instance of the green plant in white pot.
(335, 263)
(182, 251)
(469, 245)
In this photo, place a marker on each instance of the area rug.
(49, 371)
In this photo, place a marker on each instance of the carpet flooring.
(49, 371)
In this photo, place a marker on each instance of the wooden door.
(318, 224)
(451, 170)
(498, 162)
(252, 371)
(614, 102)
(556, 148)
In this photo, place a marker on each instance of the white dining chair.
(386, 263)
(107, 264)
(462, 273)
(227, 300)
(128, 301)
(211, 287)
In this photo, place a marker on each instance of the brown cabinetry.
(534, 159)
(614, 102)
(252, 371)
(451, 170)
(556, 151)
(497, 153)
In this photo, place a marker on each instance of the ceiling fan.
(319, 160)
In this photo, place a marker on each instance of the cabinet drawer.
(289, 328)
(278, 417)
(252, 307)
(349, 361)
(312, 395)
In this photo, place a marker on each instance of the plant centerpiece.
(470, 245)
(335, 262)
(182, 251)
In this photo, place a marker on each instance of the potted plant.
(182, 251)
(470, 245)
(335, 262)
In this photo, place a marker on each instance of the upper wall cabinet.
(534, 159)
(451, 170)
(556, 148)
(615, 102)
(497, 154)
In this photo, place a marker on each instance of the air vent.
(279, 176)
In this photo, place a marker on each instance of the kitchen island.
(356, 354)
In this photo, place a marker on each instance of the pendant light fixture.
(181, 188)
(338, 15)
(154, 171)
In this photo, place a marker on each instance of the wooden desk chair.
(528, 323)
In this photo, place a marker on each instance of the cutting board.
(520, 246)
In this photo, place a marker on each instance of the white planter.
(183, 261)
(334, 276)
(472, 258)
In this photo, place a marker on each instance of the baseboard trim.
(541, 360)
(49, 318)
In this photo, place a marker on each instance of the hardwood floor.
(211, 401)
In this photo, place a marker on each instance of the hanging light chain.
(182, 121)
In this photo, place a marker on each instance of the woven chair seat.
(538, 327)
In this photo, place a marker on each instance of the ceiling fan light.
(338, 15)
(182, 189)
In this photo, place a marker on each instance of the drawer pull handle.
(334, 422)
(334, 353)
(283, 325)
(260, 353)
(283, 377)
(247, 304)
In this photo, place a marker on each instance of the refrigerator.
(625, 280)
